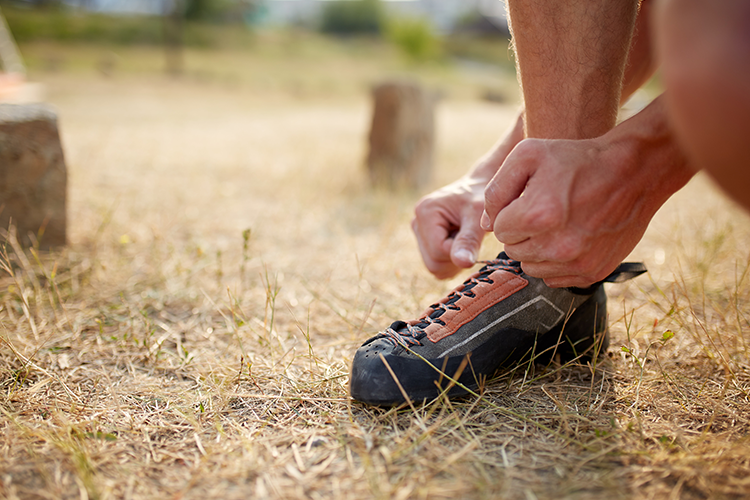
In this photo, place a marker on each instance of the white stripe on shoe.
(509, 315)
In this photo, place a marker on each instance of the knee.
(703, 46)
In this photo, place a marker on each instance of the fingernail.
(484, 222)
(465, 255)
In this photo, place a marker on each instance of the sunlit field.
(226, 257)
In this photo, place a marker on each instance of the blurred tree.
(222, 10)
(174, 17)
(415, 38)
(206, 10)
(177, 12)
(348, 17)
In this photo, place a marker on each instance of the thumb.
(467, 241)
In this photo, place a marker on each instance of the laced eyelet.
(412, 334)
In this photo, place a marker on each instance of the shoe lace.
(411, 333)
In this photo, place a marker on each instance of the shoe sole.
(582, 335)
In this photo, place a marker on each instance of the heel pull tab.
(625, 271)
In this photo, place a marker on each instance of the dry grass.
(225, 261)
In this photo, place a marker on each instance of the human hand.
(571, 210)
(446, 222)
(561, 209)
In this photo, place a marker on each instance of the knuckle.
(511, 252)
(467, 240)
(491, 193)
(586, 272)
(442, 272)
(569, 250)
(527, 149)
(422, 207)
(476, 204)
(543, 217)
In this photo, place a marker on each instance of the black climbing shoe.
(497, 318)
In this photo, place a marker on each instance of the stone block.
(33, 177)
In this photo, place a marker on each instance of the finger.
(558, 275)
(507, 185)
(528, 216)
(468, 240)
(436, 257)
(561, 247)
(568, 281)
(433, 224)
(431, 231)
(524, 251)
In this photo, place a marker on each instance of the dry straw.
(170, 353)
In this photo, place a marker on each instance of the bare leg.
(571, 59)
(641, 59)
(705, 50)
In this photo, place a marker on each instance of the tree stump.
(33, 177)
(402, 136)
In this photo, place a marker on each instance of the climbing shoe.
(497, 318)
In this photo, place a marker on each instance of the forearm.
(644, 152)
(571, 58)
(484, 169)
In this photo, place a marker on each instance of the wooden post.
(33, 178)
(402, 136)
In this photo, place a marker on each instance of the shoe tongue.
(398, 325)
(507, 260)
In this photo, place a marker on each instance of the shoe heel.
(584, 335)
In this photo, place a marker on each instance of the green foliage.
(62, 25)
(350, 17)
(211, 10)
(487, 49)
(415, 38)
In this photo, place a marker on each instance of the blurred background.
(227, 253)
(125, 36)
(190, 121)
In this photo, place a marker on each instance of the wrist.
(643, 149)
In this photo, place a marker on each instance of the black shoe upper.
(498, 316)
